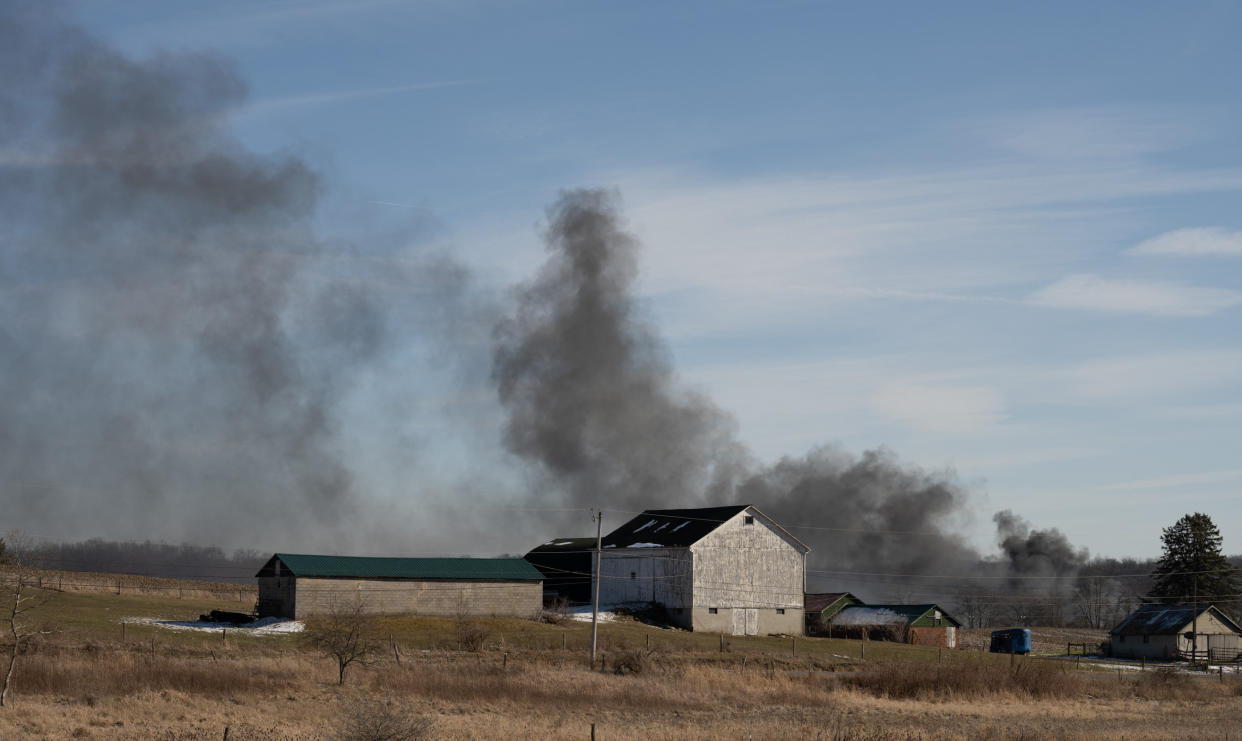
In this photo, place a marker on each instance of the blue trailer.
(1011, 641)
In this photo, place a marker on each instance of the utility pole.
(599, 541)
(1194, 623)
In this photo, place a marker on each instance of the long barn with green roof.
(297, 585)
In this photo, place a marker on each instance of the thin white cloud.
(1090, 133)
(941, 408)
(1177, 481)
(1095, 293)
(269, 106)
(1166, 374)
(1194, 242)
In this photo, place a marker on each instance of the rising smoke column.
(174, 342)
(595, 406)
(588, 385)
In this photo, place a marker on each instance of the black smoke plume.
(176, 340)
(594, 404)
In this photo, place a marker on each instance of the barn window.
(632, 575)
(749, 520)
(780, 611)
(712, 610)
(1121, 638)
(1145, 639)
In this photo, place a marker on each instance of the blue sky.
(1000, 238)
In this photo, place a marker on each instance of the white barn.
(718, 569)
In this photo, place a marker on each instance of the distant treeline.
(1099, 595)
(201, 563)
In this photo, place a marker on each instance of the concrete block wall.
(431, 597)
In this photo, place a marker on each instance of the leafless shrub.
(471, 635)
(348, 634)
(375, 719)
(634, 661)
(21, 593)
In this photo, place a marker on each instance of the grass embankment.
(85, 681)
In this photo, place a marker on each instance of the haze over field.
(250, 299)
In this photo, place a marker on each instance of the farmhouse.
(566, 567)
(924, 625)
(1164, 632)
(298, 586)
(821, 607)
(727, 569)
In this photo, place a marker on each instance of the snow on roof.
(1164, 619)
(644, 527)
(644, 545)
(860, 615)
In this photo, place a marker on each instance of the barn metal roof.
(363, 567)
(819, 601)
(888, 614)
(679, 528)
(1157, 619)
(566, 545)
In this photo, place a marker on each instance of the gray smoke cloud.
(595, 405)
(176, 339)
(1028, 552)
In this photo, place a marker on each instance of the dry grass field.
(84, 681)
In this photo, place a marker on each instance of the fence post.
(722, 641)
(648, 641)
(795, 647)
(563, 639)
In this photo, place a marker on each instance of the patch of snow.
(644, 545)
(644, 527)
(263, 627)
(583, 612)
(867, 616)
(563, 542)
(610, 545)
(683, 524)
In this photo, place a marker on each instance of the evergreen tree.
(1193, 564)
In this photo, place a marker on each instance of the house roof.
(361, 567)
(566, 545)
(817, 602)
(679, 528)
(1157, 619)
(888, 614)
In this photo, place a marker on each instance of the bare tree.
(22, 594)
(349, 634)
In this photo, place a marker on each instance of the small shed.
(924, 625)
(1167, 632)
(822, 607)
(566, 567)
(299, 585)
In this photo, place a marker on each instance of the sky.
(1002, 239)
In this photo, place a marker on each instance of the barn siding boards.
(300, 586)
(729, 569)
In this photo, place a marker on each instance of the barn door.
(752, 621)
(739, 622)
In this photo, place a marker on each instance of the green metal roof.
(408, 568)
(913, 612)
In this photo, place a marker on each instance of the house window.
(712, 611)
(1145, 639)
(1121, 639)
(633, 575)
(780, 611)
(748, 520)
